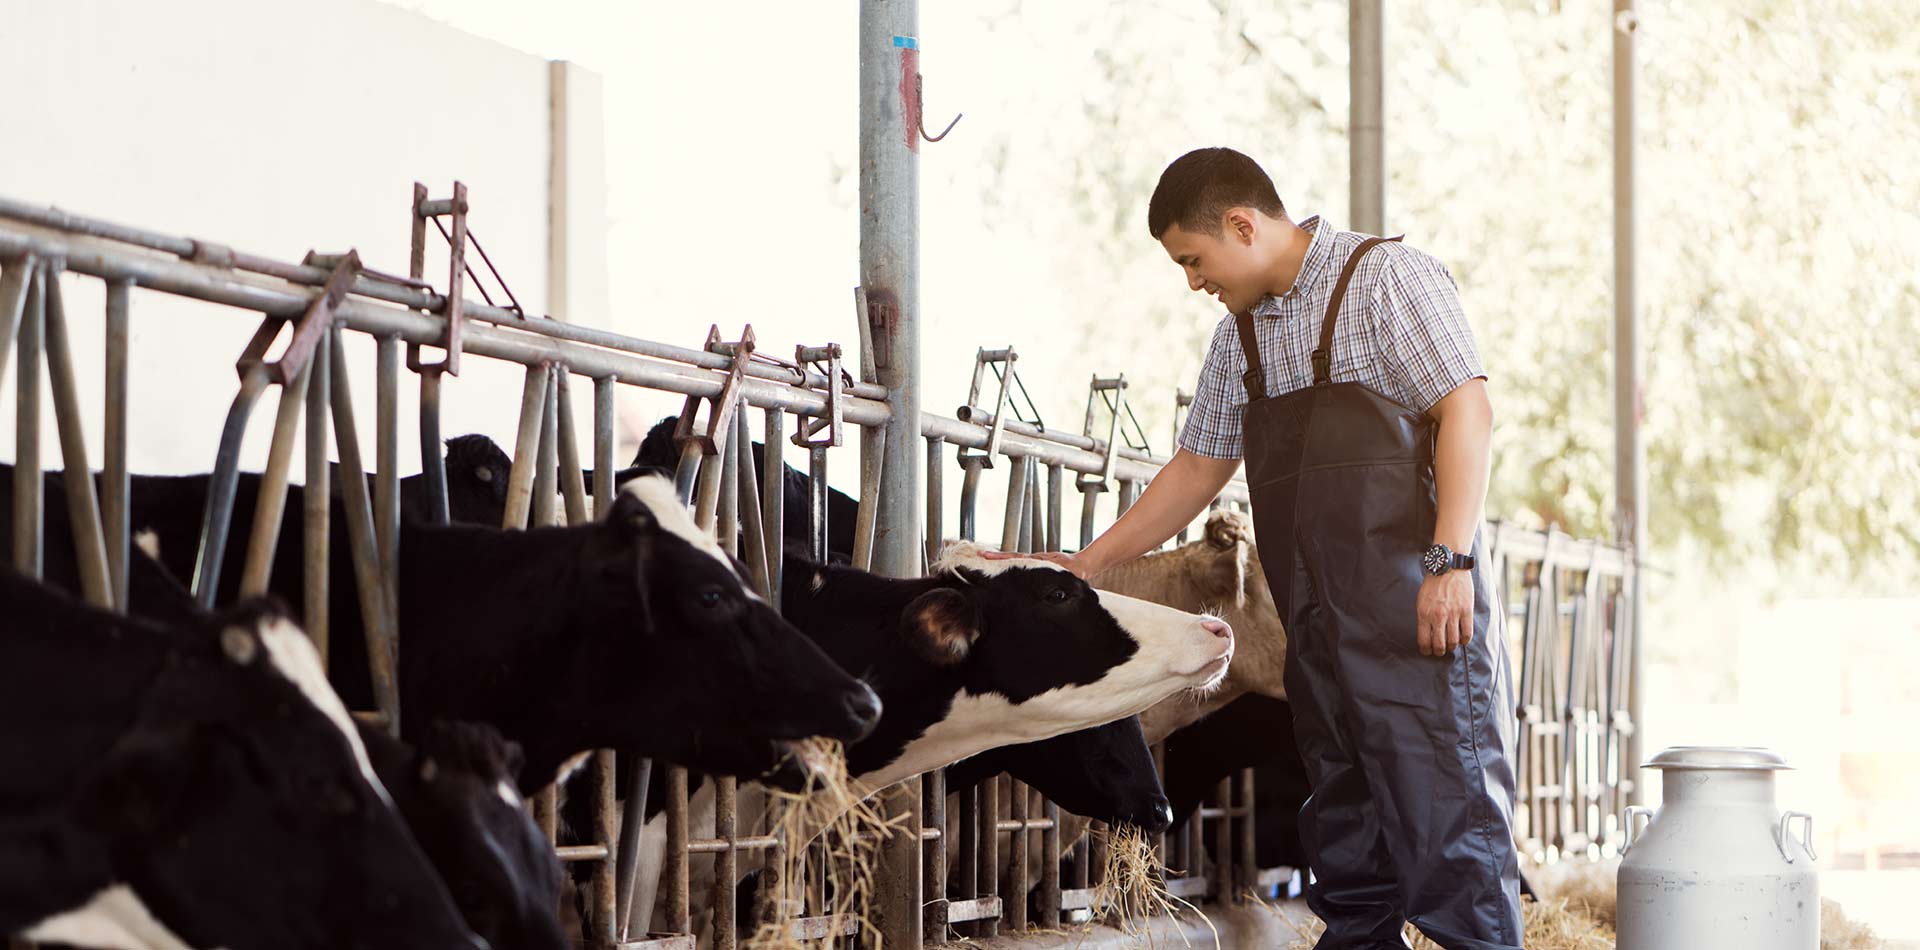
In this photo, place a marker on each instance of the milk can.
(1717, 866)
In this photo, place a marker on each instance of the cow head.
(1105, 773)
(459, 794)
(244, 810)
(678, 627)
(477, 473)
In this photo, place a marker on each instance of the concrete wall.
(274, 128)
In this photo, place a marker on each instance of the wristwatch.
(1440, 559)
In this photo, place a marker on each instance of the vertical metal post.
(116, 484)
(377, 613)
(753, 534)
(317, 514)
(1367, 164)
(217, 517)
(936, 497)
(817, 540)
(386, 460)
(270, 504)
(547, 458)
(1016, 503)
(573, 487)
(866, 525)
(773, 498)
(433, 462)
(1050, 869)
(890, 274)
(1056, 477)
(83, 506)
(526, 447)
(16, 282)
(28, 484)
(607, 923)
(1629, 452)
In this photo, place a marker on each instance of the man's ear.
(941, 625)
(141, 786)
(1240, 225)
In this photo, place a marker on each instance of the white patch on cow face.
(508, 793)
(660, 498)
(571, 766)
(959, 554)
(293, 655)
(114, 919)
(148, 540)
(819, 581)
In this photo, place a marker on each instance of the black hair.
(1198, 188)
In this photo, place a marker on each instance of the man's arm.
(1461, 463)
(1172, 500)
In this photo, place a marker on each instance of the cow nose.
(1160, 818)
(863, 710)
(1217, 627)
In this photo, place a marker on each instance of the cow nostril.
(1218, 628)
(1162, 816)
(863, 707)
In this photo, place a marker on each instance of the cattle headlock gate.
(1567, 600)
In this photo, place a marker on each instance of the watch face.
(1436, 558)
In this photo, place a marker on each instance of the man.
(1346, 376)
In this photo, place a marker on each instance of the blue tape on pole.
(906, 42)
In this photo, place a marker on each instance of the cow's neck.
(1146, 577)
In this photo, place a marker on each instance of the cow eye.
(1058, 595)
(710, 597)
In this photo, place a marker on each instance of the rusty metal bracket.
(309, 329)
(721, 415)
(423, 210)
(826, 360)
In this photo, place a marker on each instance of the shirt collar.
(1311, 265)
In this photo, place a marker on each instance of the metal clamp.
(1806, 840)
(309, 328)
(1002, 363)
(1113, 393)
(1632, 812)
(423, 210)
(826, 360)
(723, 405)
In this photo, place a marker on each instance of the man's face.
(1226, 266)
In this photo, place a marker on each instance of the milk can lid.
(1717, 757)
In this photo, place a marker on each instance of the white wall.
(275, 128)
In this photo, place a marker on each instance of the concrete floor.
(1243, 927)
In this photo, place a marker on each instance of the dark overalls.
(1409, 755)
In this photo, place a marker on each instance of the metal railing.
(1572, 690)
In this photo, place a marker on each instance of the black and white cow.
(985, 653)
(172, 786)
(657, 452)
(632, 632)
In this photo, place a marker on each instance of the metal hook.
(920, 93)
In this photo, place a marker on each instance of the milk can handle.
(1632, 811)
(1806, 839)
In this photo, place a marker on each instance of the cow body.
(193, 786)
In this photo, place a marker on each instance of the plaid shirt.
(1401, 332)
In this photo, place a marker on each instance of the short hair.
(1200, 186)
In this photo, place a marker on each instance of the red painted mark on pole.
(910, 96)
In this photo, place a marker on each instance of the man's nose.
(1194, 282)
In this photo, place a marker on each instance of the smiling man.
(1345, 374)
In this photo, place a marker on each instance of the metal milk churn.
(1717, 866)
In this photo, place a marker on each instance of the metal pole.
(317, 512)
(573, 486)
(526, 447)
(433, 461)
(270, 503)
(386, 460)
(28, 483)
(1367, 163)
(1629, 452)
(83, 505)
(381, 617)
(773, 497)
(15, 283)
(116, 485)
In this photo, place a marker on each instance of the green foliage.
(1779, 243)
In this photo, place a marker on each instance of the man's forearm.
(1461, 465)
(1172, 500)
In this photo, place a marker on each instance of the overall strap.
(1255, 378)
(1323, 357)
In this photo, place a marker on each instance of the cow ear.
(629, 511)
(941, 624)
(1226, 529)
(1221, 572)
(141, 785)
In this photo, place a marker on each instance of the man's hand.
(1069, 561)
(1446, 612)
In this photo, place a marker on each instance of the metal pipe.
(1016, 504)
(376, 288)
(890, 276)
(83, 506)
(773, 499)
(706, 499)
(1367, 167)
(602, 928)
(872, 470)
(526, 447)
(676, 873)
(632, 822)
(727, 504)
(817, 504)
(386, 459)
(936, 498)
(603, 445)
(752, 532)
(29, 486)
(379, 616)
(1016, 906)
(116, 484)
(573, 484)
(317, 516)
(217, 517)
(933, 796)
(726, 864)
(547, 455)
(1056, 516)
(970, 466)
(270, 504)
(1089, 516)
(988, 867)
(1050, 869)
(16, 281)
(1629, 450)
(433, 462)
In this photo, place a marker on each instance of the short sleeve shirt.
(1401, 332)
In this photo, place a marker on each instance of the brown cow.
(1222, 570)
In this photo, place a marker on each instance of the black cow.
(1105, 773)
(459, 794)
(170, 785)
(657, 452)
(1251, 732)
